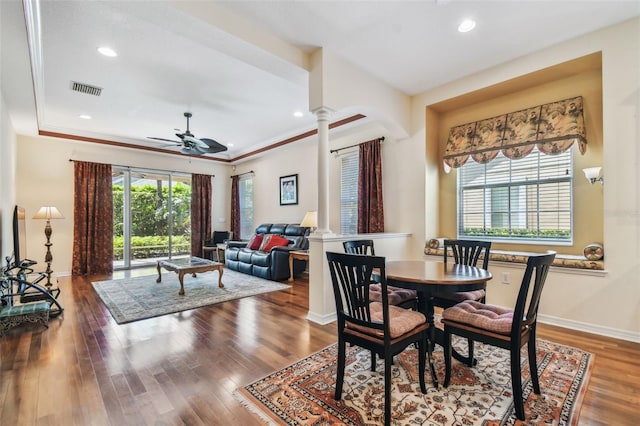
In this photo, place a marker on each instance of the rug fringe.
(252, 407)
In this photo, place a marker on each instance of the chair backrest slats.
(526, 309)
(351, 276)
(359, 247)
(468, 252)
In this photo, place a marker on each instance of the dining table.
(429, 277)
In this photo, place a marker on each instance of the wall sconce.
(593, 175)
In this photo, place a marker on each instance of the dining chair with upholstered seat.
(380, 327)
(398, 296)
(502, 327)
(464, 252)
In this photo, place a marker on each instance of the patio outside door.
(152, 216)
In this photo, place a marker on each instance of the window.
(151, 216)
(349, 193)
(523, 200)
(245, 187)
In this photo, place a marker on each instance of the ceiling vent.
(86, 88)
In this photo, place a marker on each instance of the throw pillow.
(265, 241)
(276, 241)
(255, 241)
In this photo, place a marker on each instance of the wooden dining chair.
(502, 327)
(403, 297)
(464, 252)
(380, 327)
(359, 247)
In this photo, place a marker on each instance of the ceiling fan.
(192, 145)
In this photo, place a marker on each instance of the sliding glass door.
(152, 216)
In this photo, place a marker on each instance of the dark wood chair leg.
(447, 358)
(387, 388)
(471, 361)
(516, 382)
(533, 363)
(373, 361)
(340, 368)
(422, 358)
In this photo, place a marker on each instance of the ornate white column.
(322, 115)
(322, 307)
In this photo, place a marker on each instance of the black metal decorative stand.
(48, 258)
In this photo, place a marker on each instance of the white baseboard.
(591, 328)
(322, 319)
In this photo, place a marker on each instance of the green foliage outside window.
(149, 207)
(150, 224)
(151, 247)
(555, 234)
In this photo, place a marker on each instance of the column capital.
(322, 113)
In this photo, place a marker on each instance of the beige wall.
(7, 181)
(609, 302)
(400, 169)
(588, 199)
(295, 158)
(44, 176)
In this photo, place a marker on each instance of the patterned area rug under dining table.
(302, 393)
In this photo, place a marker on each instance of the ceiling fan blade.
(208, 150)
(217, 146)
(165, 140)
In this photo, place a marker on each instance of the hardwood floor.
(183, 368)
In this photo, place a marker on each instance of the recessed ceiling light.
(298, 114)
(229, 144)
(107, 51)
(85, 116)
(466, 25)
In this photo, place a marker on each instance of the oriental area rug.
(133, 299)
(302, 394)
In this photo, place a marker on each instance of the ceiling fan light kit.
(192, 145)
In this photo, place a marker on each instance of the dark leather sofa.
(272, 265)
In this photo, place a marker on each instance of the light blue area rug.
(133, 299)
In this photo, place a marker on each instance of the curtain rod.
(245, 173)
(358, 144)
(138, 168)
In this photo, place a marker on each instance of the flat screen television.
(19, 236)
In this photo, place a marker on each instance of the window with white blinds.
(524, 200)
(245, 189)
(349, 193)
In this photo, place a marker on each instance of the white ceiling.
(235, 65)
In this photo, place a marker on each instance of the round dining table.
(427, 278)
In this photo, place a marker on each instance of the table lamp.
(310, 220)
(48, 213)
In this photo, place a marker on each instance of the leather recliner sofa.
(273, 264)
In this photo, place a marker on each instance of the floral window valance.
(553, 127)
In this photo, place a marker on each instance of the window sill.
(561, 260)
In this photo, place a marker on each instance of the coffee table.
(190, 265)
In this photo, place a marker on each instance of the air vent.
(86, 88)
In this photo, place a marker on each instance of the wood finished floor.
(183, 368)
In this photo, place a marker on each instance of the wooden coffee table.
(190, 265)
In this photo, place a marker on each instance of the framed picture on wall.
(289, 190)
